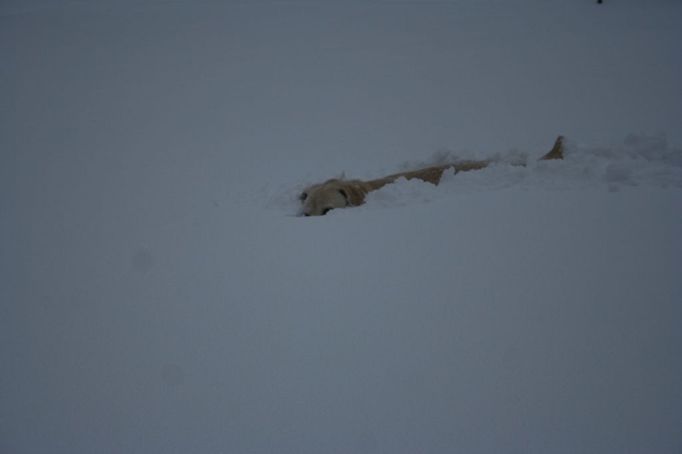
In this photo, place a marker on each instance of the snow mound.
(639, 160)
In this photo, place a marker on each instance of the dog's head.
(319, 199)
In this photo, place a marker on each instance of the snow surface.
(159, 295)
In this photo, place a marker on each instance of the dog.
(320, 199)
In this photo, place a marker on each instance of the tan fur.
(320, 198)
(557, 151)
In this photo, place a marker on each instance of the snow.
(159, 294)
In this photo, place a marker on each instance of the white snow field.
(158, 293)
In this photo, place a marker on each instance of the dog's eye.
(325, 211)
(303, 196)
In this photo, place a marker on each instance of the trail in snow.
(638, 160)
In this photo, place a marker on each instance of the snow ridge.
(637, 160)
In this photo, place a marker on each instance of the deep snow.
(158, 293)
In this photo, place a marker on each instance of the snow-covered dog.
(319, 199)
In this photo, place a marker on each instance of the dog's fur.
(319, 199)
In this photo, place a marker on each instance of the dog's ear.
(355, 196)
(345, 195)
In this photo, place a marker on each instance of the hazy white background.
(158, 293)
